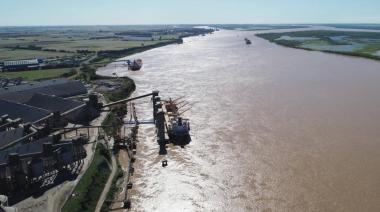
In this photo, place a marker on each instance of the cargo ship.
(178, 128)
(134, 65)
(247, 41)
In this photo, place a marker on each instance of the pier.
(170, 128)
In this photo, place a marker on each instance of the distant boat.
(134, 65)
(247, 41)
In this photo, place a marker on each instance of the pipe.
(74, 109)
(128, 100)
(18, 140)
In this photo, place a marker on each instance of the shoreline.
(106, 57)
(295, 46)
(353, 54)
(124, 158)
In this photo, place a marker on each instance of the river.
(273, 128)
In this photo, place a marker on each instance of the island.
(353, 43)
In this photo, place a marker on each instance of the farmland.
(31, 42)
(39, 74)
(74, 46)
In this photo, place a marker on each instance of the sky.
(131, 12)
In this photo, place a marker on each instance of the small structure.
(9, 82)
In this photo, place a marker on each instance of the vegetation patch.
(360, 44)
(127, 87)
(91, 185)
(114, 188)
(40, 74)
(112, 123)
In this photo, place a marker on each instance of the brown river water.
(273, 128)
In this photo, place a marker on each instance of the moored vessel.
(134, 65)
(247, 41)
(178, 128)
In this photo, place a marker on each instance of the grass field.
(37, 74)
(17, 54)
(90, 186)
(97, 45)
(88, 38)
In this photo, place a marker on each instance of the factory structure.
(16, 65)
(36, 117)
(31, 147)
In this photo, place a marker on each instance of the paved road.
(107, 187)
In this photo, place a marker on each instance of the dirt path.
(107, 187)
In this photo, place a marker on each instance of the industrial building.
(23, 133)
(31, 148)
(48, 100)
(28, 165)
(25, 112)
(16, 65)
(57, 87)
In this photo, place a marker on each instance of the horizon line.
(172, 24)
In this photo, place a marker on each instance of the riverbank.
(299, 120)
(349, 43)
(90, 186)
(75, 47)
(116, 197)
(87, 71)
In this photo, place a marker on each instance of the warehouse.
(47, 102)
(22, 65)
(7, 137)
(24, 133)
(54, 103)
(25, 112)
(58, 87)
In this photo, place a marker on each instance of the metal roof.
(7, 137)
(57, 87)
(53, 103)
(25, 112)
(33, 148)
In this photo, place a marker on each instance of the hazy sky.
(103, 12)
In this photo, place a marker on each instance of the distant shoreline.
(298, 44)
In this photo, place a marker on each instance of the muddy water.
(273, 128)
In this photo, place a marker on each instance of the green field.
(9, 52)
(87, 47)
(17, 54)
(90, 186)
(29, 42)
(37, 74)
(97, 45)
(362, 44)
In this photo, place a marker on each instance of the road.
(107, 187)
